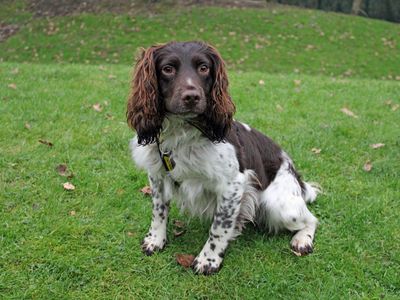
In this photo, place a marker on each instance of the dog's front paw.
(206, 265)
(302, 244)
(151, 244)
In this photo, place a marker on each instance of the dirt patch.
(51, 8)
(7, 30)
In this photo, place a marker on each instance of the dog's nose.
(191, 97)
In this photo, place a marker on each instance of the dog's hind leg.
(283, 206)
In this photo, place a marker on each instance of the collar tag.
(168, 161)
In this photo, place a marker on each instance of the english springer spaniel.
(213, 166)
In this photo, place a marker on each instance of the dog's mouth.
(185, 115)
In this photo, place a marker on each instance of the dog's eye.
(168, 70)
(204, 69)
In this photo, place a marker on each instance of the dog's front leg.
(223, 229)
(156, 238)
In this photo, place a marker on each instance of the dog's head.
(186, 79)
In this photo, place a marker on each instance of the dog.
(213, 166)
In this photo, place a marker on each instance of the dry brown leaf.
(261, 82)
(367, 166)
(376, 146)
(179, 224)
(297, 82)
(12, 86)
(97, 107)
(69, 186)
(316, 150)
(109, 116)
(185, 260)
(62, 169)
(72, 213)
(146, 190)
(44, 142)
(179, 233)
(348, 112)
(395, 107)
(295, 252)
(279, 107)
(129, 233)
(28, 126)
(388, 102)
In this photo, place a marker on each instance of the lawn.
(84, 243)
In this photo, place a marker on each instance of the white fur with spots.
(210, 185)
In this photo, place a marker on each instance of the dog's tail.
(311, 191)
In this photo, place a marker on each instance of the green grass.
(283, 40)
(47, 253)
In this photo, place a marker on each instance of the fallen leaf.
(310, 47)
(130, 233)
(388, 102)
(348, 112)
(349, 72)
(111, 76)
(185, 260)
(316, 150)
(295, 252)
(368, 166)
(376, 146)
(97, 107)
(179, 233)
(146, 190)
(68, 186)
(261, 82)
(297, 82)
(28, 126)
(279, 107)
(395, 107)
(44, 142)
(109, 116)
(62, 169)
(179, 224)
(12, 86)
(103, 68)
(72, 213)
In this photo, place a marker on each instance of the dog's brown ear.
(145, 113)
(220, 107)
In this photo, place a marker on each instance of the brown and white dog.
(213, 166)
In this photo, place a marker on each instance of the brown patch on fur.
(145, 113)
(221, 109)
